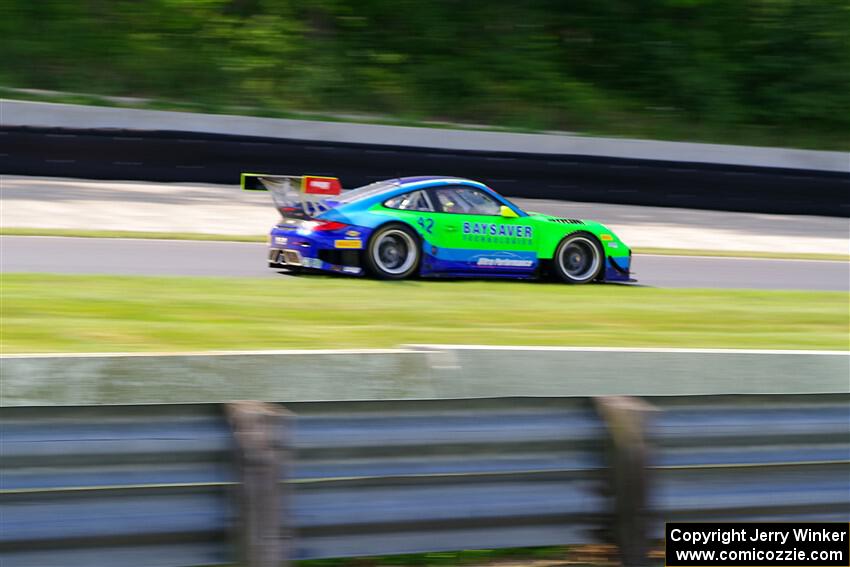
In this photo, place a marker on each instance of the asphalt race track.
(83, 204)
(194, 258)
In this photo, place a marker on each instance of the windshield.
(367, 191)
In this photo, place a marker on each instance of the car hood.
(568, 221)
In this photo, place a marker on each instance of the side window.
(413, 201)
(466, 200)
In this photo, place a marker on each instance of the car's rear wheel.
(393, 252)
(579, 258)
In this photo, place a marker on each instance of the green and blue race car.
(431, 227)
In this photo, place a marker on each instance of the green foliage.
(766, 71)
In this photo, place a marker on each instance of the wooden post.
(261, 433)
(627, 455)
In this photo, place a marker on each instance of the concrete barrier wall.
(107, 143)
(50, 115)
(559, 371)
(415, 372)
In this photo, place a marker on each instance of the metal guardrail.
(219, 158)
(752, 458)
(114, 485)
(156, 485)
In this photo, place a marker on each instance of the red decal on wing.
(312, 185)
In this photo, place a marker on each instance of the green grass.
(54, 313)
(449, 558)
(83, 233)
(58, 97)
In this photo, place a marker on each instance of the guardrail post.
(628, 480)
(261, 433)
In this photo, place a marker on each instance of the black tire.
(579, 258)
(393, 252)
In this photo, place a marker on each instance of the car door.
(471, 235)
(416, 209)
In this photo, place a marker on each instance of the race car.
(430, 227)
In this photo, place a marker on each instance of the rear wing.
(294, 193)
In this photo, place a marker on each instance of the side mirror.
(507, 212)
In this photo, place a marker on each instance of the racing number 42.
(426, 224)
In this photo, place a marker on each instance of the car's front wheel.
(393, 252)
(579, 258)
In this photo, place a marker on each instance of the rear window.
(413, 201)
(366, 191)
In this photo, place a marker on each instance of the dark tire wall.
(216, 158)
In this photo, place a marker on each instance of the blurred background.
(422, 422)
(760, 72)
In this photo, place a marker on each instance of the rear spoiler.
(290, 193)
